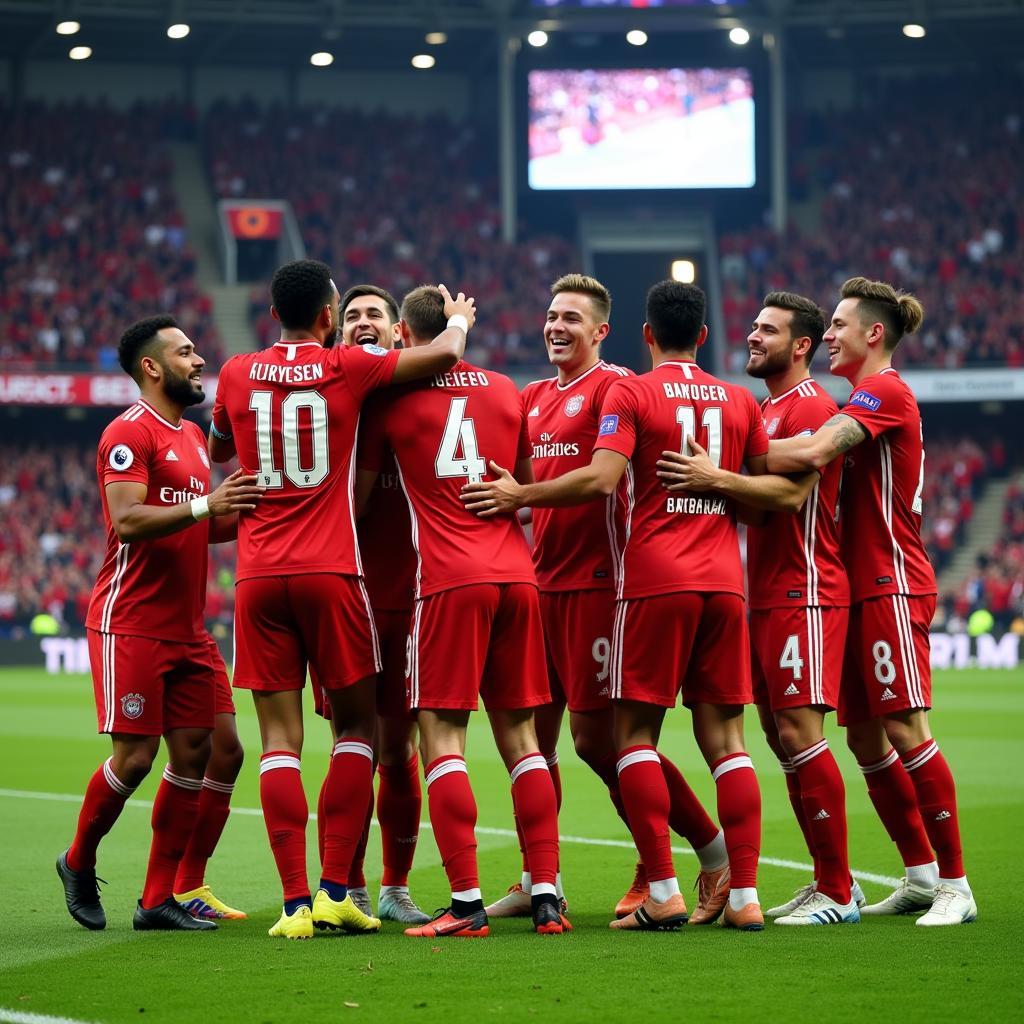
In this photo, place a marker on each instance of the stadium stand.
(91, 236)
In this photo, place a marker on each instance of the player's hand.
(238, 493)
(459, 306)
(492, 497)
(679, 472)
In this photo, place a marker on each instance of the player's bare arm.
(133, 520)
(589, 483)
(445, 350)
(759, 490)
(220, 446)
(812, 451)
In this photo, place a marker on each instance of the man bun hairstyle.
(675, 314)
(423, 311)
(899, 312)
(137, 339)
(600, 297)
(299, 290)
(357, 291)
(807, 321)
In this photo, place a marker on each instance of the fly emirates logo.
(169, 496)
(551, 449)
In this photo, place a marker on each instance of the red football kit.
(293, 412)
(798, 589)
(680, 621)
(572, 546)
(892, 582)
(476, 623)
(150, 662)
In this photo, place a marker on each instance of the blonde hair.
(600, 297)
(899, 312)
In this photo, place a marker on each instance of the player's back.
(678, 541)
(293, 410)
(443, 432)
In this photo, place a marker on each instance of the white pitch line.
(17, 1017)
(507, 833)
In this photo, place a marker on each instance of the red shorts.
(577, 633)
(796, 658)
(223, 702)
(887, 666)
(147, 687)
(690, 642)
(393, 634)
(483, 640)
(283, 623)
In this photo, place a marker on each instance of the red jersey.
(571, 546)
(677, 541)
(389, 559)
(153, 588)
(293, 410)
(794, 559)
(443, 432)
(881, 499)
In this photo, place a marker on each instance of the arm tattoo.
(848, 435)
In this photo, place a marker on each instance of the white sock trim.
(664, 889)
(439, 771)
(731, 764)
(526, 882)
(552, 760)
(269, 764)
(353, 747)
(715, 855)
(739, 898)
(113, 781)
(636, 757)
(543, 889)
(467, 894)
(217, 786)
(798, 760)
(924, 756)
(878, 766)
(787, 767)
(181, 782)
(530, 763)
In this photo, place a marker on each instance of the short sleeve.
(616, 428)
(220, 422)
(878, 404)
(374, 447)
(125, 453)
(366, 367)
(757, 438)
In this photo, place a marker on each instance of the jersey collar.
(586, 373)
(167, 423)
(786, 394)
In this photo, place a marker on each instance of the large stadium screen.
(665, 128)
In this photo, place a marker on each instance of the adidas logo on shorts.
(791, 690)
(887, 694)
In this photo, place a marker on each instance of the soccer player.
(799, 598)
(291, 414)
(574, 561)
(476, 627)
(369, 316)
(886, 687)
(152, 669)
(680, 620)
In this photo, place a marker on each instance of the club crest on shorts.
(203, 457)
(121, 457)
(573, 405)
(132, 705)
(771, 427)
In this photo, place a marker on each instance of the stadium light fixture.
(914, 31)
(684, 271)
(67, 28)
(739, 35)
(321, 59)
(178, 31)
(80, 52)
(423, 61)
(436, 38)
(538, 37)
(636, 37)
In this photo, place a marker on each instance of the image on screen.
(668, 128)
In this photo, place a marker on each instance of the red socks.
(687, 817)
(356, 878)
(212, 816)
(453, 816)
(174, 816)
(399, 804)
(823, 800)
(556, 778)
(645, 795)
(892, 793)
(347, 798)
(936, 800)
(739, 810)
(286, 812)
(105, 797)
(793, 787)
(536, 806)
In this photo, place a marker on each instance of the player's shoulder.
(535, 388)
(614, 370)
(808, 393)
(886, 387)
(133, 422)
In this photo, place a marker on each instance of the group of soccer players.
(379, 548)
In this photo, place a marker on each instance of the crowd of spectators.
(91, 236)
(922, 187)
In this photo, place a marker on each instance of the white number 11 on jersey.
(459, 433)
(686, 417)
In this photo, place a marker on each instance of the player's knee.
(134, 765)
(906, 733)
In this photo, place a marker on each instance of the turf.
(48, 965)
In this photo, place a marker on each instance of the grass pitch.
(51, 966)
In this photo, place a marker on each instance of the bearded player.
(886, 688)
(575, 572)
